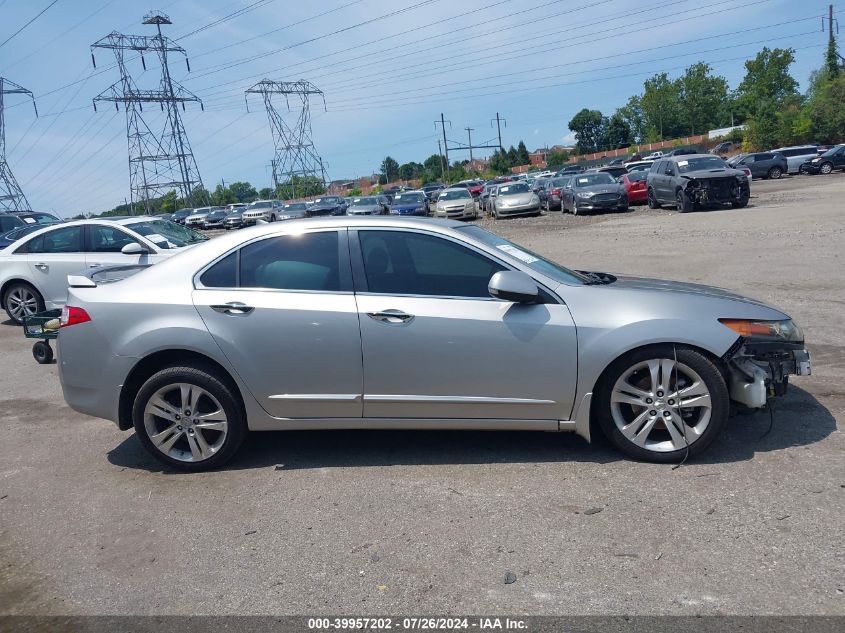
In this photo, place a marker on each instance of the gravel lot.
(424, 522)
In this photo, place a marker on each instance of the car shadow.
(799, 420)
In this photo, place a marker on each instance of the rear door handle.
(233, 307)
(391, 316)
(41, 266)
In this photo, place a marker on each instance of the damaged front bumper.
(759, 371)
(705, 191)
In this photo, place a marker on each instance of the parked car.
(34, 269)
(456, 203)
(832, 159)
(639, 165)
(515, 198)
(215, 218)
(264, 210)
(179, 216)
(409, 203)
(617, 161)
(764, 164)
(9, 221)
(593, 191)
(431, 190)
(570, 169)
(688, 182)
(722, 148)
(613, 170)
(797, 155)
(368, 205)
(475, 187)
(35, 217)
(415, 321)
(197, 218)
(682, 151)
(635, 186)
(654, 155)
(553, 192)
(10, 237)
(293, 211)
(327, 205)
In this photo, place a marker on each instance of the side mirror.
(512, 285)
(133, 248)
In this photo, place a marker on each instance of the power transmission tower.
(158, 162)
(297, 167)
(11, 196)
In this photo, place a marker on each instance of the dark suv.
(832, 159)
(765, 165)
(688, 182)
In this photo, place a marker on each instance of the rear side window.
(223, 274)
(309, 261)
(65, 240)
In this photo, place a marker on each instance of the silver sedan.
(377, 322)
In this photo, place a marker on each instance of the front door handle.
(41, 266)
(233, 307)
(94, 265)
(391, 316)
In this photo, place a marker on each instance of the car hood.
(713, 173)
(410, 206)
(519, 198)
(364, 208)
(325, 205)
(628, 282)
(599, 189)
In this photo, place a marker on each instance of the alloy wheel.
(185, 422)
(661, 405)
(22, 302)
(826, 168)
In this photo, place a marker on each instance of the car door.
(839, 158)
(52, 256)
(436, 345)
(103, 244)
(281, 309)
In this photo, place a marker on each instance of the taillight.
(555, 192)
(73, 316)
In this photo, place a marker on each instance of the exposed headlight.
(766, 330)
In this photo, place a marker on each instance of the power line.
(40, 13)
(226, 18)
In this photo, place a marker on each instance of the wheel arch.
(15, 280)
(162, 359)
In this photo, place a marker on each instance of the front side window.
(64, 240)
(309, 261)
(107, 239)
(402, 262)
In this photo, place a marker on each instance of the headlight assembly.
(766, 330)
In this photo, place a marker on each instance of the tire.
(652, 200)
(826, 168)
(775, 173)
(657, 431)
(22, 299)
(683, 203)
(222, 434)
(42, 353)
(574, 210)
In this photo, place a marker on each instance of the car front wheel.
(775, 173)
(826, 168)
(657, 403)
(189, 419)
(652, 200)
(683, 202)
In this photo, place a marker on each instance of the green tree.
(831, 58)
(660, 108)
(522, 154)
(300, 187)
(265, 193)
(168, 202)
(825, 113)
(557, 158)
(222, 196)
(243, 191)
(617, 132)
(588, 126)
(762, 95)
(200, 196)
(632, 114)
(700, 97)
(389, 169)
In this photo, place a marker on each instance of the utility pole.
(158, 162)
(443, 126)
(442, 168)
(469, 136)
(11, 195)
(295, 158)
(498, 121)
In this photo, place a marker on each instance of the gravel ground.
(425, 522)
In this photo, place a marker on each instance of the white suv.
(266, 210)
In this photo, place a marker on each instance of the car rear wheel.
(188, 418)
(22, 300)
(826, 168)
(652, 200)
(775, 173)
(657, 403)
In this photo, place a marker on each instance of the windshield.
(699, 164)
(833, 151)
(166, 234)
(296, 206)
(588, 180)
(532, 260)
(365, 202)
(409, 198)
(517, 187)
(454, 194)
(261, 205)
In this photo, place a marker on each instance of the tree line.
(767, 101)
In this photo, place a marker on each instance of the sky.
(387, 68)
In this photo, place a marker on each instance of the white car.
(654, 155)
(264, 210)
(34, 269)
(197, 218)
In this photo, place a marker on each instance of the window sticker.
(513, 251)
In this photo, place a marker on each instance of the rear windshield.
(636, 176)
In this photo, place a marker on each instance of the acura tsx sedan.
(379, 322)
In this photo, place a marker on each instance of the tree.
(411, 170)
(825, 112)
(243, 191)
(588, 126)
(522, 154)
(762, 95)
(617, 132)
(660, 108)
(700, 97)
(168, 202)
(300, 187)
(265, 193)
(831, 58)
(557, 158)
(632, 114)
(222, 196)
(389, 169)
(199, 196)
